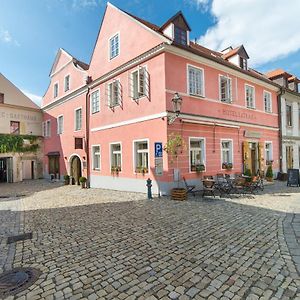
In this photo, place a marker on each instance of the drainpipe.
(281, 92)
(87, 131)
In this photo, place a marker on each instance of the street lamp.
(176, 102)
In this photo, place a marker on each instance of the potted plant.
(173, 147)
(200, 168)
(82, 181)
(269, 174)
(67, 179)
(115, 170)
(227, 166)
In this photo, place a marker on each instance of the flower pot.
(178, 194)
(269, 179)
(83, 185)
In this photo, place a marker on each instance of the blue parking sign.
(158, 149)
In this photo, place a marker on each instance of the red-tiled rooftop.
(277, 73)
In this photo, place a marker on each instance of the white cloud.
(200, 4)
(77, 4)
(35, 98)
(6, 37)
(269, 29)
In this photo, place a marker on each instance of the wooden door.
(3, 170)
(289, 157)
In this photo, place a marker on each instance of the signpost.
(159, 168)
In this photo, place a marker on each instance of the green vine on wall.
(16, 143)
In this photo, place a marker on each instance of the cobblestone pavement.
(161, 249)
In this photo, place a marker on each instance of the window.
(180, 35)
(78, 119)
(14, 127)
(250, 101)
(225, 89)
(96, 158)
(67, 83)
(139, 83)
(267, 102)
(114, 94)
(78, 143)
(268, 152)
(60, 124)
(196, 153)
(47, 128)
(55, 91)
(114, 46)
(116, 157)
(1, 98)
(141, 156)
(95, 102)
(226, 153)
(195, 81)
(243, 63)
(289, 121)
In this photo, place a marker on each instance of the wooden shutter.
(246, 156)
(130, 85)
(107, 94)
(119, 86)
(261, 159)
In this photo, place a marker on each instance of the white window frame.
(253, 100)
(75, 127)
(203, 151)
(68, 75)
(109, 46)
(111, 154)
(270, 99)
(202, 95)
(229, 100)
(91, 101)
(135, 156)
(93, 158)
(46, 130)
(230, 151)
(109, 98)
(271, 150)
(60, 130)
(292, 119)
(146, 83)
(54, 85)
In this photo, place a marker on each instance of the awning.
(53, 153)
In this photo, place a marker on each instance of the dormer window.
(243, 63)
(180, 35)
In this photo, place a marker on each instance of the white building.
(289, 106)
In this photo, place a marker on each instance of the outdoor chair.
(208, 187)
(223, 185)
(189, 188)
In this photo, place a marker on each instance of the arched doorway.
(75, 168)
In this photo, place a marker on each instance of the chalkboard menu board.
(293, 177)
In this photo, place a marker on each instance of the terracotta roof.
(276, 73)
(294, 78)
(234, 52)
(208, 53)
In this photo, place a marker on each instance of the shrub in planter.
(67, 179)
(269, 174)
(115, 170)
(82, 181)
(249, 174)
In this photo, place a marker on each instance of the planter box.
(178, 194)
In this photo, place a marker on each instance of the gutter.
(279, 94)
(87, 133)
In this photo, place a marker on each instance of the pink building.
(102, 120)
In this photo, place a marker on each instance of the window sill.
(197, 96)
(95, 112)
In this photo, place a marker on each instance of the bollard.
(149, 185)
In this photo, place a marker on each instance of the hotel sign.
(238, 114)
(252, 134)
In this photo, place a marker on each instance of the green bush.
(66, 177)
(248, 173)
(269, 173)
(82, 179)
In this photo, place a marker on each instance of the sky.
(32, 31)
